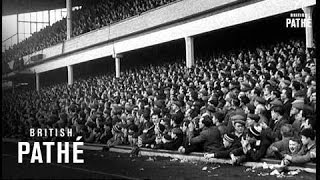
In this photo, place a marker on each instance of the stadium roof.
(10, 7)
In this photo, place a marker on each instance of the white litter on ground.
(274, 172)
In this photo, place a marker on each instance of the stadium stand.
(266, 95)
(90, 17)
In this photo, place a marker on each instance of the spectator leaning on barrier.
(279, 148)
(175, 142)
(308, 151)
(117, 136)
(229, 144)
(254, 147)
(209, 139)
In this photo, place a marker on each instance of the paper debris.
(213, 168)
(274, 172)
(293, 173)
(150, 159)
(281, 175)
(183, 160)
(204, 168)
(263, 174)
(174, 159)
(265, 165)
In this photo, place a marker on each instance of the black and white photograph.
(159, 89)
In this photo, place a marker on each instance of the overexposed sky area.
(9, 26)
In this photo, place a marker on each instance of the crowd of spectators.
(93, 15)
(243, 105)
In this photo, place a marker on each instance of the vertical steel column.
(69, 19)
(308, 26)
(189, 51)
(17, 28)
(37, 82)
(70, 74)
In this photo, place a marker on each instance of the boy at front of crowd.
(229, 144)
(117, 136)
(253, 147)
(175, 142)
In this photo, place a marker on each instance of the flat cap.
(260, 100)
(298, 105)
(177, 131)
(254, 117)
(276, 102)
(299, 93)
(178, 103)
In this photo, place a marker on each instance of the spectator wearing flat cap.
(238, 115)
(239, 129)
(252, 119)
(210, 110)
(275, 102)
(254, 147)
(300, 95)
(229, 144)
(259, 100)
(245, 87)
